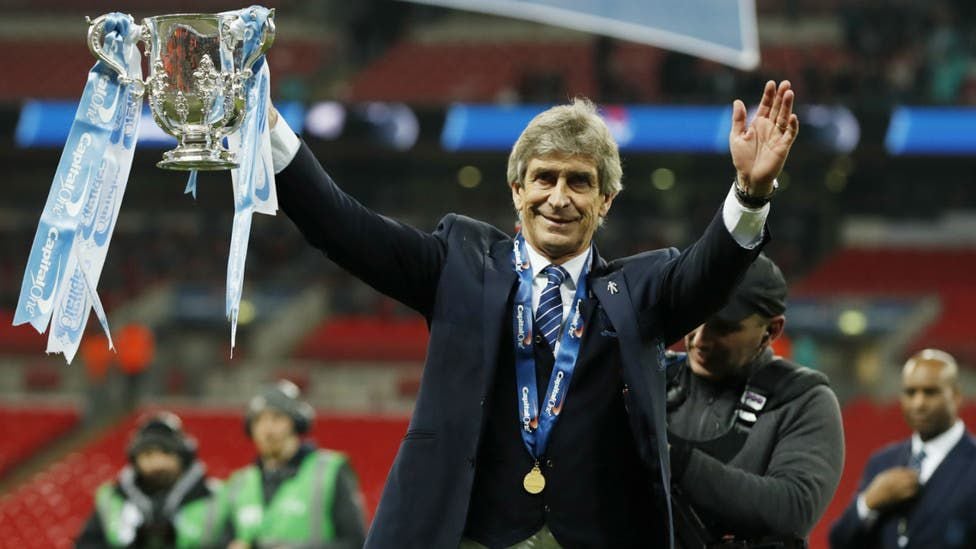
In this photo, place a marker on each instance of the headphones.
(163, 430)
(283, 396)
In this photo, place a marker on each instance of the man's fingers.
(794, 127)
(774, 111)
(766, 103)
(738, 117)
(783, 118)
(272, 117)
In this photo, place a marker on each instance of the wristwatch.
(753, 201)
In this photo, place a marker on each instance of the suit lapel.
(642, 375)
(645, 380)
(499, 280)
(940, 490)
(614, 296)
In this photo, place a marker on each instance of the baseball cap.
(761, 291)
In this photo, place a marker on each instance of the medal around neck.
(208, 81)
(534, 482)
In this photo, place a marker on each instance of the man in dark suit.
(918, 493)
(517, 324)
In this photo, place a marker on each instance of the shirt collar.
(574, 266)
(939, 447)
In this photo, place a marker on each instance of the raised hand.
(759, 149)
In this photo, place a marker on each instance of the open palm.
(759, 149)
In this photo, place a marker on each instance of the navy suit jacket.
(943, 515)
(461, 279)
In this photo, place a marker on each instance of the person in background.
(294, 494)
(757, 443)
(920, 492)
(161, 499)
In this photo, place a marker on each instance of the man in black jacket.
(757, 443)
(521, 434)
(161, 499)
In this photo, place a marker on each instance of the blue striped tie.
(549, 314)
(916, 460)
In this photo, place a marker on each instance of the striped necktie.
(916, 460)
(549, 314)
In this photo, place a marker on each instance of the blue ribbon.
(77, 294)
(537, 424)
(253, 181)
(191, 184)
(99, 122)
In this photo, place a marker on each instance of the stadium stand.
(27, 430)
(946, 273)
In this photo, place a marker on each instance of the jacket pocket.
(419, 434)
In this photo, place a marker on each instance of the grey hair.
(571, 129)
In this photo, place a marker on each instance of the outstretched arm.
(697, 283)
(394, 258)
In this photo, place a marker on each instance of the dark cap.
(285, 397)
(164, 431)
(762, 291)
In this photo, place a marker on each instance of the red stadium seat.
(366, 339)
(28, 430)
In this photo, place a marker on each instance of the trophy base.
(197, 158)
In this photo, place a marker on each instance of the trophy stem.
(198, 156)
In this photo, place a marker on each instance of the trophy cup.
(199, 65)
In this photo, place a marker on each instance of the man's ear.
(775, 327)
(516, 194)
(607, 201)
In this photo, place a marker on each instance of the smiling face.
(560, 205)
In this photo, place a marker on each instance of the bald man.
(920, 492)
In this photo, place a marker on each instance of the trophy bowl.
(199, 65)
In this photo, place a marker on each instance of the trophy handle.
(96, 35)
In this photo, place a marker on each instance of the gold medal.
(534, 482)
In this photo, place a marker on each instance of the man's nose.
(559, 195)
(918, 401)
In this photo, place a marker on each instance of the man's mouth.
(558, 221)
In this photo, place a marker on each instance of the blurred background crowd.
(877, 240)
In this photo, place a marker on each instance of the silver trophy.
(196, 83)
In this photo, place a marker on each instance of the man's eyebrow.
(581, 174)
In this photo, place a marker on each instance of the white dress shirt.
(936, 449)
